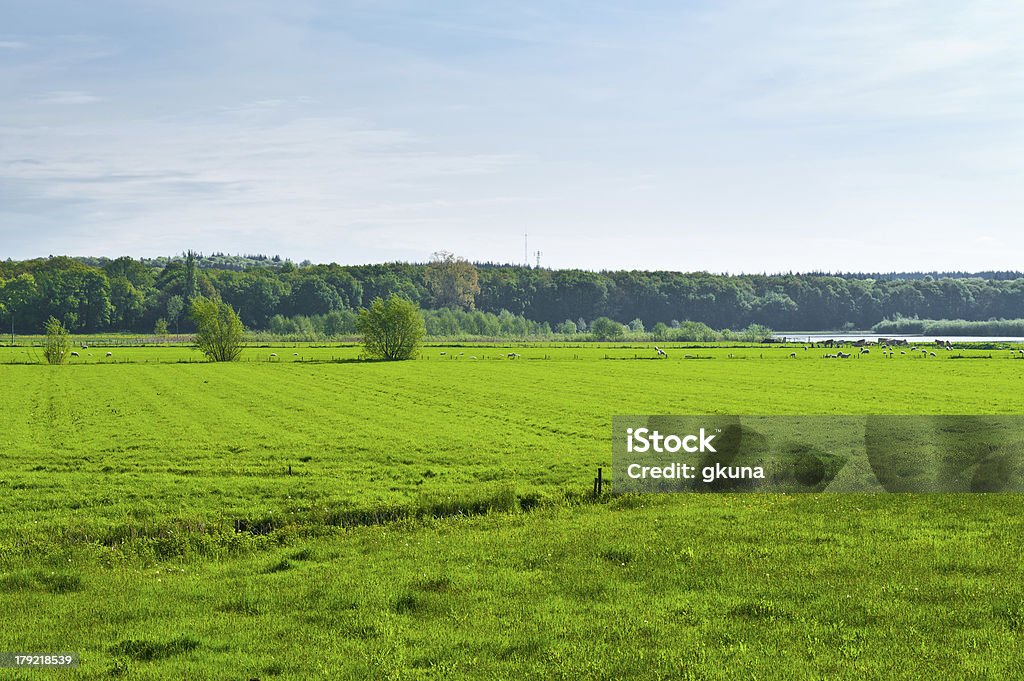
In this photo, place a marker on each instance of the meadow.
(309, 514)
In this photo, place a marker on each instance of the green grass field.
(310, 515)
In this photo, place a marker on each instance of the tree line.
(125, 294)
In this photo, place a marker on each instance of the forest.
(92, 295)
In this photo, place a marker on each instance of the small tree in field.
(606, 329)
(391, 329)
(160, 328)
(57, 340)
(218, 330)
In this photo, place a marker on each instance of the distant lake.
(817, 337)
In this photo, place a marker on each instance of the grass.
(435, 523)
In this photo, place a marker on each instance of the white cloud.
(70, 97)
(755, 135)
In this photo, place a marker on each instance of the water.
(817, 337)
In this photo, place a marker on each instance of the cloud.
(70, 97)
(755, 134)
(295, 182)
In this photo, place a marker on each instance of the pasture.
(311, 514)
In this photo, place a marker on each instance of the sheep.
(472, 356)
(660, 351)
(793, 355)
(843, 355)
(74, 354)
(443, 354)
(295, 354)
(903, 352)
(273, 354)
(110, 354)
(932, 354)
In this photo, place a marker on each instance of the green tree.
(160, 328)
(191, 288)
(313, 295)
(17, 295)
(57, 340)
(454, 282)
(567, 327)
(127, 301)
(219, 331)
(391, 329)
(606, 329)
(175, 306)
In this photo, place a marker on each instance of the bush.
(219, 331)
(603, 328)
(57, 340)
(391, 329)
(950, 327)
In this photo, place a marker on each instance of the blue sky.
(755, 135)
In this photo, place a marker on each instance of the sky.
(742, 136)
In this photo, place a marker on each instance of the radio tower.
(538, 254)
(526, 250)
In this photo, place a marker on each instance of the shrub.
(219, 331)
(391, 329)
(57, 340)
(606, 329)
